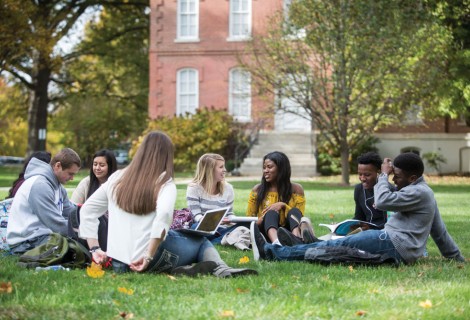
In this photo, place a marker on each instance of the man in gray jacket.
(416, 216)
(41, 205)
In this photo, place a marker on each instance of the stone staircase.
(297, 146)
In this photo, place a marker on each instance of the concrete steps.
(297, 146)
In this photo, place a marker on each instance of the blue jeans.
(372, 241)
(176, 250)
(217, 237)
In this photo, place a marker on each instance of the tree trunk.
(344, 149)
(37, 112)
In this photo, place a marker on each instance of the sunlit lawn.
(431, 289)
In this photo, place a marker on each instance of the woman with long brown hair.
(140, 200)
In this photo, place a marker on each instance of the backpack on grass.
(57, 250)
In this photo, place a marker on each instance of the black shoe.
(306, 230)
(287, 238)
(224, 271)
(257, 242)
(200, 268)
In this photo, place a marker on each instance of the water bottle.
(53, 268)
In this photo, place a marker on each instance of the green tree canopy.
(106, 102)
(351, 66)
(30, 32)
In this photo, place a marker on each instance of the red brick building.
(193, 55)
(193, 63)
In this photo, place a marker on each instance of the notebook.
(209, 222)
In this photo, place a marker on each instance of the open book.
(348, 226)
(234, 218)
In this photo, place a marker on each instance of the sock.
(277, 242)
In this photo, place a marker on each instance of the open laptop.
(209, 222)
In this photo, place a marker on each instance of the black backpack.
(347, 255)
(58, 250)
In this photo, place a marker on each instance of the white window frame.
(240, 94)
(187, 91)
(294, 34)
(191, 14)
(239, 13)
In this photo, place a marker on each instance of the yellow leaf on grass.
(227, 314)
(95, 271)
(5, 287)
(243, 260)
(240, 290)
(425, 304)
(351, 269)
(171, 277)
(126, 291)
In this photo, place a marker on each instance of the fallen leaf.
(5, 287)
(227, 314)
(239, 290)
(420, 274)
(126, 315)
(95, 271)
(244, 260)
(361, 313)
(332, 216)
(126, 291)
(351, 269)
(171, 277)
(425, 304)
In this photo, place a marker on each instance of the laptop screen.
(211, 219)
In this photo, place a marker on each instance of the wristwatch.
(94, 249)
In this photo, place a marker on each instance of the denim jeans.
(372, 241)
(24, 246)
(217, 237)
(176, 250)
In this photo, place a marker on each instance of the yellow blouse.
(296, 201)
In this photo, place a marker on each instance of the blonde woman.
(140, 200)
(209, 190)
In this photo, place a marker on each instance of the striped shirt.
(200, 201)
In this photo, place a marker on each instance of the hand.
(226, 220)
(139, 265)
(99, 256)
(387, 166)
(278, 206)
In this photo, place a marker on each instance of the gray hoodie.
(416, 217)
(40, 206)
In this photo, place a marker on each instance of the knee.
(294, 212)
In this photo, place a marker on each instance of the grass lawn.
(433, 288)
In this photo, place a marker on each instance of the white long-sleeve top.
(128, 234)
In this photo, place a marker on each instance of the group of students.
(126, 214)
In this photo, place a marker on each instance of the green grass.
(287, 290)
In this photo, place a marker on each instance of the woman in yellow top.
(276, 201)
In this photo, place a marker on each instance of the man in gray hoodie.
(416, 216)
(41, 205)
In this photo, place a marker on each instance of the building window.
(413, 116)
(292, 32)
(240, 19)
(240, 94)
(188, 20)
(187, 91)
